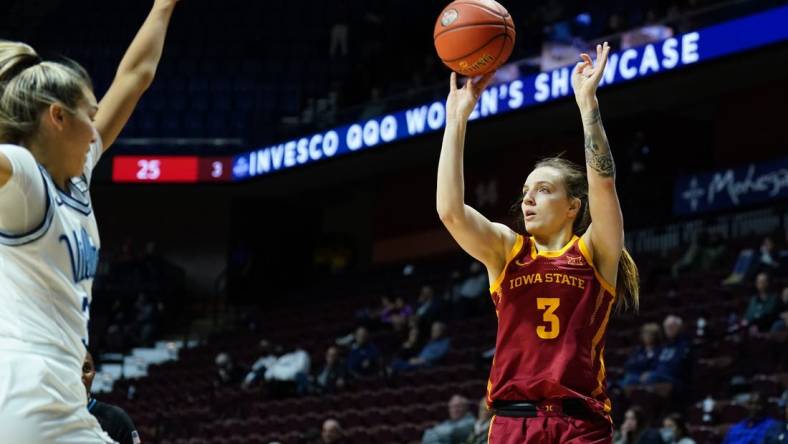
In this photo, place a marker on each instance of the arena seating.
(178, 404)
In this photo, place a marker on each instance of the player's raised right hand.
(461, 101)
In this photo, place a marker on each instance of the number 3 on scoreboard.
(549, 305)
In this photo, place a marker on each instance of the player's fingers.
(598, 53)
(601, 61)
(579, 67)
(469, 83)
(586, 58)
(453, 82)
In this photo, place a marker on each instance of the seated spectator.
(763, 308)
(363, 358)
(645, 358)
(432, 352)
(703, 253)
(635, 430)
(778, 434)
(227, 372)
(268, 356)
(429, 307)
(454, 430)
(288, 365)
(674, 430)
(330, 378)
(397, 314)
(471, 291)
(753, 429)
(782, 253)
(412, 344)
(781, 324)
(750, 262)
(481, 428)
(673, 356)
(768, 257)
(332, 432)
(281, 376)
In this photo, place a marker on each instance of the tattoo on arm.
(592, 119)
(598, 155)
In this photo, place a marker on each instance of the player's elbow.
(447, 216)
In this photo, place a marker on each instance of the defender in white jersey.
(52, 134)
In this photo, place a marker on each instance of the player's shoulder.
(17, 161)
(114, 413)
(17, 154)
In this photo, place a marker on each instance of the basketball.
(474, 37)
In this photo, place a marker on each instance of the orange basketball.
(474, 37)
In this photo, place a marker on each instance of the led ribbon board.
(624, 66)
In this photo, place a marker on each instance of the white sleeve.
(94, 155)
(23, 197)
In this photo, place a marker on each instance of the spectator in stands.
(781, 324)
(471, 291)
(782, 254)
(674, 430)
(752, 429)
(397, 314)
(429, 308)
(703, 253)
(227, 372)
(364, 357)
(331, 377)
(338, 38)
(454, 430)
(268, 356)
(673, 356)
(332, 432)
(145, 317)
(645, 358)
(288, 366)
(749, 262)
(634, 429)
(411, 346)
(763, 308)
(432, 352)
(481, 428)
(113, 420)
(281, 376)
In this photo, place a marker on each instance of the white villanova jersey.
(46, 273)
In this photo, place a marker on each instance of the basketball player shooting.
(53, 133)
(553, 288)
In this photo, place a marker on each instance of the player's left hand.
(587, 74)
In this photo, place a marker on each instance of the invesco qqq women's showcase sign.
(623, 66)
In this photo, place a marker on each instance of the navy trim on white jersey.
(66, 198)
(16, 240)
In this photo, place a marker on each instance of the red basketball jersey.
(553, 308)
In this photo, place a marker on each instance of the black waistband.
(573, 407)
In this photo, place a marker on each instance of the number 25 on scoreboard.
(549, 305)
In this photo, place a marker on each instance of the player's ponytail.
(29, 85)
(627, 281)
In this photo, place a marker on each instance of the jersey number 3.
(549, 305)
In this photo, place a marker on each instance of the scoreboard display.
(171, 169)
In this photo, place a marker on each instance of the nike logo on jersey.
(83, 253)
